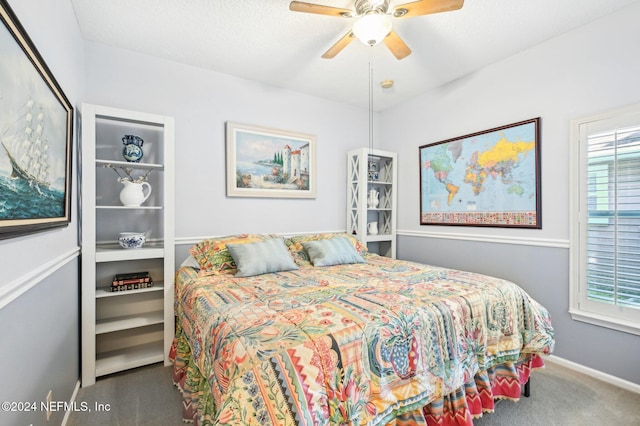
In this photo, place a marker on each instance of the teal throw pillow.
(336, 251)
(261, 257)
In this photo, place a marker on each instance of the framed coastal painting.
(264, 162)
(36, 122)
(488, 178)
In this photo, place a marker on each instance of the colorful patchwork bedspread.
(384, 342)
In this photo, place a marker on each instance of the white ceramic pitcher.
(372, 228)
(132, 195)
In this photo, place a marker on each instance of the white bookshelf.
(359, 184)
(125, 329)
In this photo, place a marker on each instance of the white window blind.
(605, 241)
(613, 212)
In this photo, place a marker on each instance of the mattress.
(380, 342)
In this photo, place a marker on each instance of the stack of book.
(132, 281)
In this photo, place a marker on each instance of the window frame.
(624, 319)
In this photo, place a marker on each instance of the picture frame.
(272, 163)
(489, 178)
(36, 129)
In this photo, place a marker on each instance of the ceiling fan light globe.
(372, 28)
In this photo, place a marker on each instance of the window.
(605, 233)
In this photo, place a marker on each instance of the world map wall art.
(488, 178)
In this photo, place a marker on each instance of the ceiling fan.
(374, 21)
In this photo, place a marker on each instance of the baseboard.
(71, 401)
(608, 378)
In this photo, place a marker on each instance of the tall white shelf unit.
(126, 329)
(360, 182)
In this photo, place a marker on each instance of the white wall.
(588, 70)
(201, 102)
(39, 286)
(584, 71)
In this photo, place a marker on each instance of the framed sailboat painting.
(36, 123)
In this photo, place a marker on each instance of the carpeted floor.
(559, 397)
(563, 397)
(141, 397)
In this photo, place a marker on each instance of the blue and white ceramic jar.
(132, 150)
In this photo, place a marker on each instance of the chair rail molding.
(19, 286)
(541, 242)
(195, 240)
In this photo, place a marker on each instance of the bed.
(321, 332)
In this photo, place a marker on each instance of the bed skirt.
(459, 408)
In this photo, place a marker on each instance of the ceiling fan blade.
(425, 7)
(395, 44)
(298, 6)
(338, 46)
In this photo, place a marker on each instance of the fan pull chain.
(370, 101)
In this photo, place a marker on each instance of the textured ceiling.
(263, 41)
